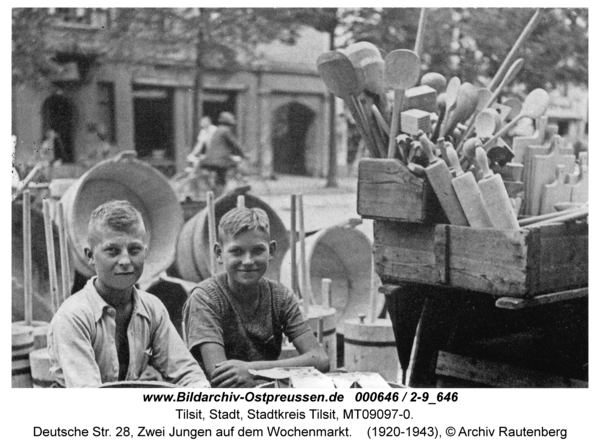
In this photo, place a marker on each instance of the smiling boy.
(235, 320)
(111, 331)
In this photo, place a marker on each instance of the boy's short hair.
(117, 215)
(242, 219)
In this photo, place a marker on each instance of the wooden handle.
(293, 247)
(421, 31)
(573, 216)
(241, 201)
(482, 162)
(212, 231)
(52, 272)
(326, 292)
(64, 252)
(306, 296)
(453, 160)
(427, 147)
(27, 272)
(534, 219)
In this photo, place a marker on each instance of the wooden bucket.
(342, 254)
(148, 190)
(193, 251)
(40, 332)
(40, 368)
(22, 345)
(371, 347)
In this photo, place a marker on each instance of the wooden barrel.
(22, 345)
(40, 332)
(40, 368)
(193, 251)
(148, 190)
(344, 255)
(371, 347)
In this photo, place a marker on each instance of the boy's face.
(245, 257)
(117, 256)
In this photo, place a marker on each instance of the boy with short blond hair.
(235, 320)
(111, 331)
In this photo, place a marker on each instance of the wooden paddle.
(466, 102)
(369, 65)
(339, 75)
(402, 69)
(534, 106)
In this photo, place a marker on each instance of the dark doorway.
(291, 123)
(153, 121)
(57, 114)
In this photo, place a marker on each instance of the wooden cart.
(494, 308)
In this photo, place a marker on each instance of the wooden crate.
(388, 190)
(513, 263)
(404, 252)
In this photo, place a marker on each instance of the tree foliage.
(471, 43)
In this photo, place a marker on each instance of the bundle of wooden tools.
(478, 179)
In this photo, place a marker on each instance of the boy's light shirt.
(82, 346)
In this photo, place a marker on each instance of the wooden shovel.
(402, 69)
(534, 107)
(494, 195)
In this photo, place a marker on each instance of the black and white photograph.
(391, 198)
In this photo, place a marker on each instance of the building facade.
(143, 100)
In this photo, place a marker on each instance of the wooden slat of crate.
(388, 190)
(495, 374)
(486, 260)
(404, 252)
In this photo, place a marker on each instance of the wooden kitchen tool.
(50, 252)
(555, 192)
(402, 69)
(436, 81)
(468, 193)
(579, 190)
(494, 195)
(441, 181)
(212, 231)
(543, 171)
(451, 98)
(534, 107)
(466, 103)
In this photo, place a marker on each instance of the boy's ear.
(90, 256)
(218, 252)
(272, 249)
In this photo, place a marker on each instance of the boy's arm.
(170, 355)
(72, 357)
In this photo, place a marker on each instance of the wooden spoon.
(534, 106)
(402, 69)
(434, 80)
(515, 107)
(466, 102)
(341, 79)
(451, 98)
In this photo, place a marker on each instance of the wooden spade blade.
(402, 69)
(338, 74)
(486, 123)
(535, 104)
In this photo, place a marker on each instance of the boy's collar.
(99, 304)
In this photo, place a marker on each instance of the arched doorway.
(57, 114)
(291, 125)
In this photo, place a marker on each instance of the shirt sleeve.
(292, 321)
(72, 359)
(234, 145)
(202, 319)
(170, 355)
